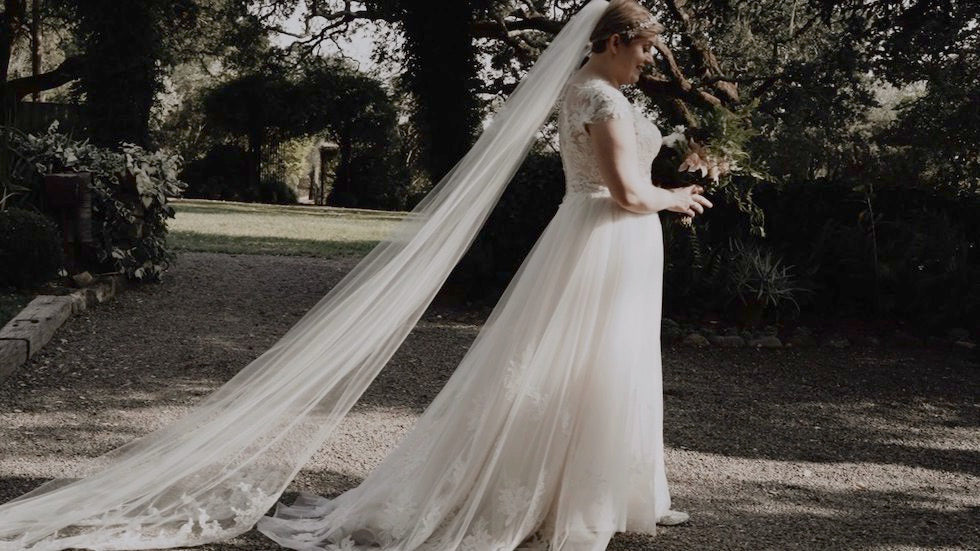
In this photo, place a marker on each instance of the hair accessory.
(631, 31)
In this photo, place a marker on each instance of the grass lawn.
(253, 228)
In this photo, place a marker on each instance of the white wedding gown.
(549, 433)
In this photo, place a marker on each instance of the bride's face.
(640, 54)
(630, 59)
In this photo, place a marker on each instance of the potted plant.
(759, 283)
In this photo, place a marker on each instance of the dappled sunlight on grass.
(250, 228)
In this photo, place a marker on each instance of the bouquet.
(713, 156)
(699, 158)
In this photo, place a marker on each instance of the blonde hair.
(627, 18)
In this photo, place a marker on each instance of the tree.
(15, 24)
(118, 52)
(256, 106)
(327, 98)
(357, 113)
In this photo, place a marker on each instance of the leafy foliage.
(126, 51)
(758, 277)
(130, 187)
(914, 255)
(221, 174)
(440, 60)
(726, 137)
(30, 248)
(328, 99)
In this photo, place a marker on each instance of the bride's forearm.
(645, 199)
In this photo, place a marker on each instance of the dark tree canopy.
(325, 98)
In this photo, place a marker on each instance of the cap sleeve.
(596, 102)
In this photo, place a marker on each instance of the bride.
(548, 435)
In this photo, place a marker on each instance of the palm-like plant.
(760, 281)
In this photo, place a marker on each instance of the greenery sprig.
(715, 155)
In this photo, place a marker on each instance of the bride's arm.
(614, 143)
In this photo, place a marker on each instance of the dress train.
(549, 433)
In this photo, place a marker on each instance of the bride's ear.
(614, 44)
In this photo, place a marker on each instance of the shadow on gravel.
(821, 521)
(13, 486)
(900, 407)
(157, 349)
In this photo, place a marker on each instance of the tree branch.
(678, 85)
(701, 51)
(69, 70)
(534, 22)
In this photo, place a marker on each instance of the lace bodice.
(592, 100)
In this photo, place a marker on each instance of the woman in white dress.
(547, 436)
(549, 433)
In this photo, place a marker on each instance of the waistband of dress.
(577, 194)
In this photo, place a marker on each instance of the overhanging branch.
(69, 70)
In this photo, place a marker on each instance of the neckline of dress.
(593, 78)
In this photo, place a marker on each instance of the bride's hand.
(689, 201)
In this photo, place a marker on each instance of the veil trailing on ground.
(213, 473)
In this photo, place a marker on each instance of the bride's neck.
(594, 67)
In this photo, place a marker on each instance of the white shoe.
(673, 518)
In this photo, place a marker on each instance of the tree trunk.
(36, 46)
(10, 21)
(442, 75)
(255, 142)
(122, 40)
(342, 194)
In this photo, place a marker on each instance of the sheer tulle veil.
(213, 473)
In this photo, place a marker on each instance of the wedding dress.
(549, 431)
(548, 435)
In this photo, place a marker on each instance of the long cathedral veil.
(213, 473)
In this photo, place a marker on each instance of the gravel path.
(819, 449)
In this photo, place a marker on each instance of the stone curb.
(36, 324)
(697, 340)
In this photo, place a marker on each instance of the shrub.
(221, 174)
(694, 267)
(276, 191)
(903, 252)
(516, 222)
(130, 187)
(30, 248)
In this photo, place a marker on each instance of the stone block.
(78, 301)
(727, 341)
(958, 334)
(118, 282)
(12, 355)
(768, 341)
(98, 293)
(836, 341)
(670, 331)
(696, 340)
(802, 340)
(38, 321)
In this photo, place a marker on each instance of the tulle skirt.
(549, 434)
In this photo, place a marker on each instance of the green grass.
(252, 228)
